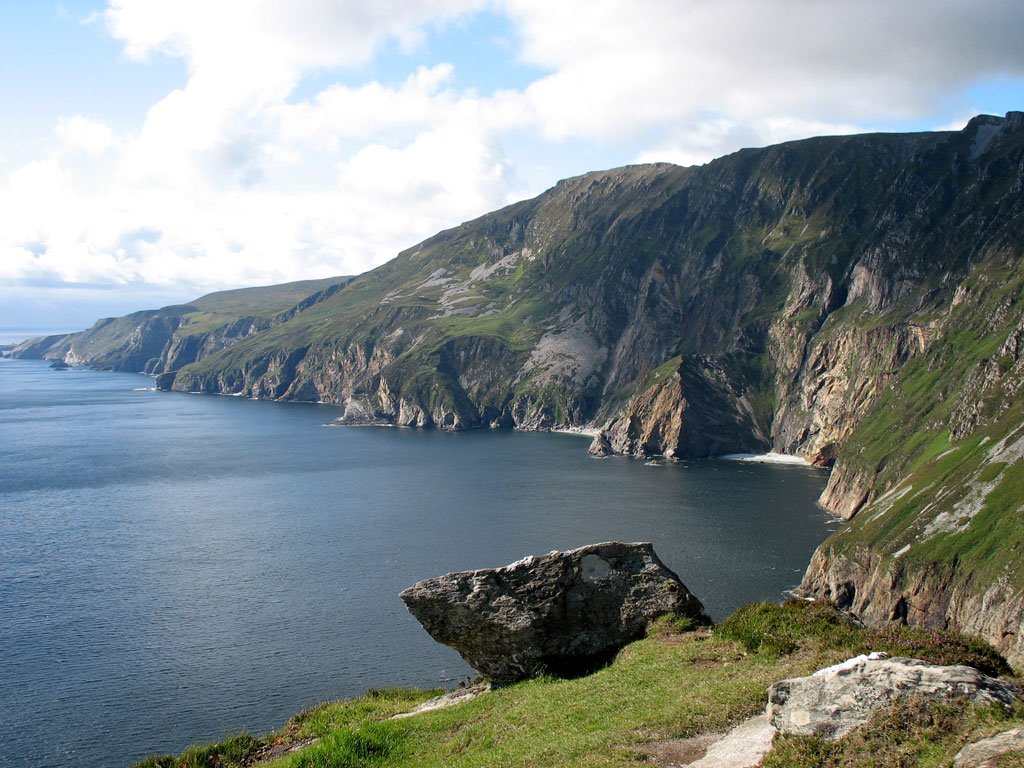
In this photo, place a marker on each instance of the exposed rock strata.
(694, 410)
(560, 613)
(882, 590)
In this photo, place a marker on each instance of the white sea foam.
(766, 458)
(580, 431)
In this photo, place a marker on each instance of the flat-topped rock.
(563, 613)
(835, 700)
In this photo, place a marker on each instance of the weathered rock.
(562, 613)
(880, 589)
(987, 752)
(835, 700)
(743, 747)
(693, 411)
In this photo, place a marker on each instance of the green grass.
(677, 682)
(236, 751)
(651, 691)
(777, 630)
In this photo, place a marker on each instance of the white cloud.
(226, 183)
(232, 179)
(264, 45)
(695, 144)
(619, 68)
(90, 136)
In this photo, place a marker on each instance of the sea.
(12, 336)
(176, 568)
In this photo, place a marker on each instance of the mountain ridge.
(853, 300)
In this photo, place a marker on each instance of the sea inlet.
(176, 568)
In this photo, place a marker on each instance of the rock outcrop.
(691, 411)
(835, 700)
(990, 752)
(562, 613)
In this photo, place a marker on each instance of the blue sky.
(152, 151)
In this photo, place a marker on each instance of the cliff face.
(692, 408)
(938, 473)
(803, 275)
(852, 300)
(161, 340)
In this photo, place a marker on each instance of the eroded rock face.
(562, 613)
(693, 412)
(835, 700)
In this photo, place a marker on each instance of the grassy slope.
(216, 309)
(906, 444)
(671, 685)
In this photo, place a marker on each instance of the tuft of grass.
(235, 752)
(674, 624)
(375, 704)
(937, 646)
(776, 630)
(367, 745)
(157, 761)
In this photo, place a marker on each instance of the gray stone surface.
(986, 753)
(743, 747)
(835, 700)
(562, 613)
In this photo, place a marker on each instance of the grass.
(678, 682)
(912, 732)
(777, 630)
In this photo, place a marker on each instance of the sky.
(152, 151)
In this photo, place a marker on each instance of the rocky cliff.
(160, 340)
(852, 300)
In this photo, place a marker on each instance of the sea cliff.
(851, 300)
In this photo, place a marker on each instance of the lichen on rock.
(563, 613)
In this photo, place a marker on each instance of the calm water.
(174, 568)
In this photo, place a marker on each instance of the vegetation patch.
(678, 683)
(776, 630)
(909, 732)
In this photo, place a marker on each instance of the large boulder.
(835, 700)
(563, 613)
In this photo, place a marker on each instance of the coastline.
(589, 432)
(767, 458)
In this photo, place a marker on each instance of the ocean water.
(175, 568)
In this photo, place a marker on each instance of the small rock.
(833, 701)
(563, 613)
(986, 753)
(450, 699)
(600, 446)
